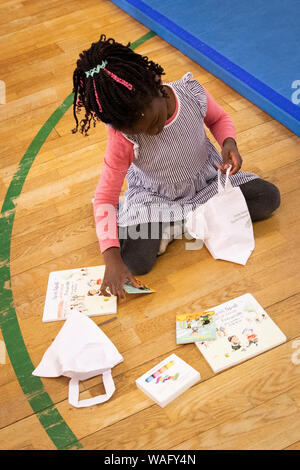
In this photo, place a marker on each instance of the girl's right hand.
(116, 274)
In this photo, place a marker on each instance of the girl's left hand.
(231, 156)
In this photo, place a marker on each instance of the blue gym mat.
(252, 45)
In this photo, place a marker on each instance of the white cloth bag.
(80, 351)
(224, 224)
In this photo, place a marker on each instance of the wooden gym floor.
(47, 224)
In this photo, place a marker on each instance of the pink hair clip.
(97, 97)
(118, 79)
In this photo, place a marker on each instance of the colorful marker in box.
(167, 377)
(159, 372)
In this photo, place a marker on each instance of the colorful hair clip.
(97, 69)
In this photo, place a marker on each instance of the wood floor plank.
(295, 446)
(25, 434)
(270, 426)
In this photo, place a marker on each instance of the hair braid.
(127, 83)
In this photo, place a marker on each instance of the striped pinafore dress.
(174, 171)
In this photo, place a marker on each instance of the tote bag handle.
(227, 185)
(74, 392)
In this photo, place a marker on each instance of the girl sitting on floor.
(157, 141)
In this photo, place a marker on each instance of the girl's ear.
(157, 78)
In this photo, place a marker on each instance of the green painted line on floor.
(142, 39)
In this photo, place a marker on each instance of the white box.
(167, 380)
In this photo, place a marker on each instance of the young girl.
(157, 140)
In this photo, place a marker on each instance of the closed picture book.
(244, 330)
(192, 327)
(77, 289)
(167, 380)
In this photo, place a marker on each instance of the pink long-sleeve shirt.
(118, 157)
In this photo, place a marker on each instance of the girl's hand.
(116, 274)
(231, 156)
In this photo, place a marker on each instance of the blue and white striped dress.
(175, 170)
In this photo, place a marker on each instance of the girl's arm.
(218, 121)
(221, 126)
(118, 157)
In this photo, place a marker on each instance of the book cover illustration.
(192, 327)
(167, 380)
(244, 330)
(142, 289)
(77, 289)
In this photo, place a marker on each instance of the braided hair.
(117, 92)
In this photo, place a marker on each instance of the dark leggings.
(140, 254)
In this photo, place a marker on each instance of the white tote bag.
(80, 351)
(224, 224)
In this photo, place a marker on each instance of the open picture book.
(77, 289)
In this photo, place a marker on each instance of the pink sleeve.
(218, 122)
(118, 157)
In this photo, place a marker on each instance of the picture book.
(167, 380)
(142, 289)
(192, 327)
(244, 330)
(77, 289)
